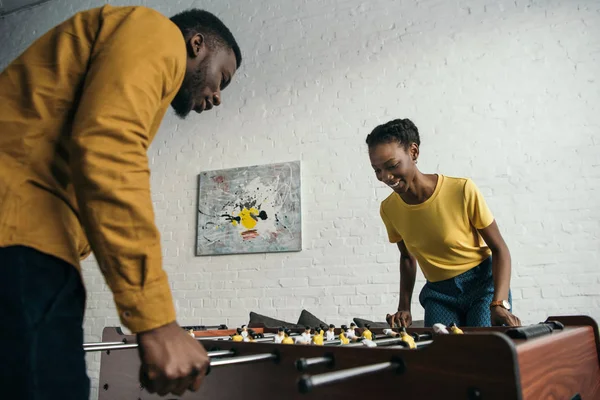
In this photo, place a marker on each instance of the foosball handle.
(555, 324)
(529, 332)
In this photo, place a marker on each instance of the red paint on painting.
(250, 234)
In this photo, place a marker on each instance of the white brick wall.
(505, 92)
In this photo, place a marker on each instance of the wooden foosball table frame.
(560, 359)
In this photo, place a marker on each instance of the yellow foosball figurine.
(455, 329)
(343, 338)
(320, 330)
(237, 337)
(318, 338)
(406, 338)
(367, 334)
(287, 339)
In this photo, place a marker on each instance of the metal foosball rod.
(244, 359)
(308, 383)
(303, 364)
(418, 344)
(267, 337)
(108, 346)
(391, 342)
(264, 340)
(102, 344)
(124, 346)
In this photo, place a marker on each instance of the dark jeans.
(42, 302)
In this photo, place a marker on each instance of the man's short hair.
(216, 33)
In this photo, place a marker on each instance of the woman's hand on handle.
(501, 316)
(401, 319)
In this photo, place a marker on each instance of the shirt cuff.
(150, 308)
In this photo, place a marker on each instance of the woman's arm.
(501, 271)
(408, 273)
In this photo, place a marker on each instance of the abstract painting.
(252, 209)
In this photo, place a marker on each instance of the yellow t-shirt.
(442, 231)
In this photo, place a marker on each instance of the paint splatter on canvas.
(250, 210)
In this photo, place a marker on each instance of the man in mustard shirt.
(79, 109)
(445, 224)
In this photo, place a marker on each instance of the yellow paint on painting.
(246, 217)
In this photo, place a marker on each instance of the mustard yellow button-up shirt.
(78, 110)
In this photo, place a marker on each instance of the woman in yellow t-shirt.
(445, 224)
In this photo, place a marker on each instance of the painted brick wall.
(505, 92)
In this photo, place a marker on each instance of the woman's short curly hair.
(402, 131)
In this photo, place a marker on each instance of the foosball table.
(556, 359)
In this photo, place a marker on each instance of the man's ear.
(196, 45)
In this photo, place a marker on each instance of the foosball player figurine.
(351, 332)
(305, 337)
(317, 338)
(280, 335)
(367, 334)
(287, 339)
(440, 329)
(455, 329)
(306, 334)
(343, 338)
(244, 331)
(320, 331)
(406, 338)
(390, 333)
(191, 332)
(237, 337)
(330, 335)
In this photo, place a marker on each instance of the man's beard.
(192, 83)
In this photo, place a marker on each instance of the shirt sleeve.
(130, 74)
(477, 209)
(393, 235)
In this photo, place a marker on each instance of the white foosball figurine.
(305, 337)
(368, 343)
(330, 334)
(390, 333)
(244, 331)
(280, 335)
(350, 332)
(440, 329)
